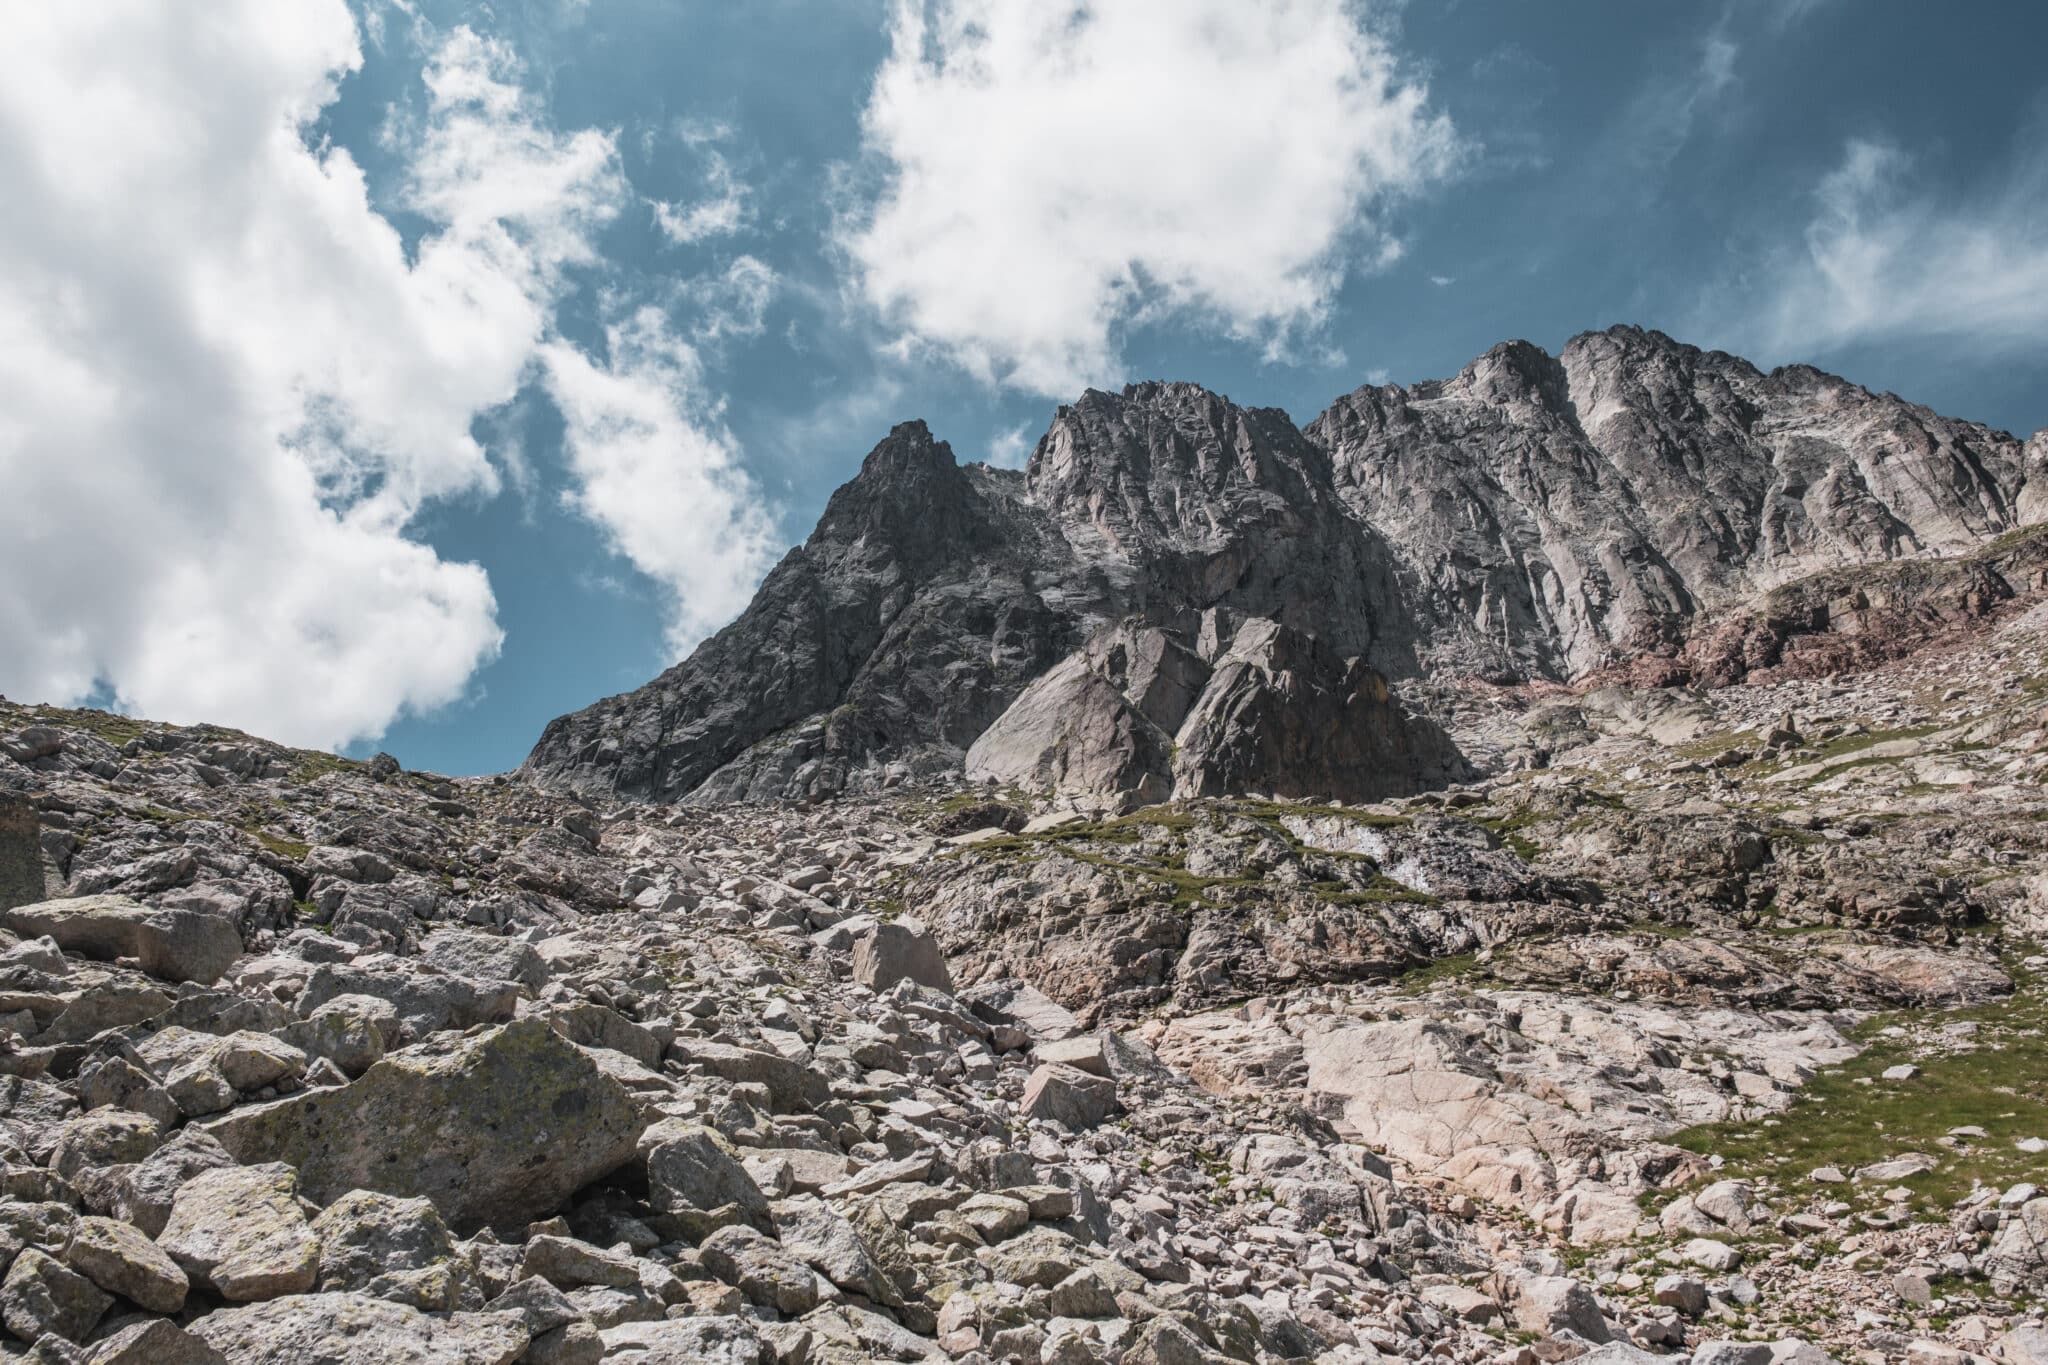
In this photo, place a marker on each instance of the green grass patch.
(1442, 972)
(1848, 1116)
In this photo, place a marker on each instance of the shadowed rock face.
(21, 858)
(1535, 517)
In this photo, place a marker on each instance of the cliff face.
(1183, 596)
(1556, 515)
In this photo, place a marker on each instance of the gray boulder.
(497, 1128)
(394, 1249)
(355, 1329)
(694, 1174)
(900, 950)
(171, 945)
(41, 1298)
(1068, 1095)
(240, 1231)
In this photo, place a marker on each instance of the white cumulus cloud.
(1883, 259)
(660, 476)
(229, 388)
(1053, 171)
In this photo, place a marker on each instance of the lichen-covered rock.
(392, 1248)
(144, 1193)
(240, 1231)
(173, 945)
(717, 1340)
(497, 1128)
(41, 1298)
(356, 1329)
(694, 1174)
(154, 1341)
(122, 1261)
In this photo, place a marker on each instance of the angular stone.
(814, 1233)
(171, 945)
(1555, 1303)
(425, 1001)
(574, 1343)
(145, 1192)
(356, 1329)
(1682, 1292)
(569, 1264)
(395, 1249)
(122, 1261)
(117, 1083)
(723, 1340)
(694, 1174)
(900, 950)
(500, 1127)
(250, 1061)
(241, 1231)
(343, 1034)
(485, 957)
(1069, 1096)
(153, 1342)
(41, 1298)
(759, 1267)
(30, 1112)
(1083, 1053)
(105, 1137)
(1085, 1294)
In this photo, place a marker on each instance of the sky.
(400, 374)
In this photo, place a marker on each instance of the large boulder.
(122, 1261)
(172, 945)
(2017, 1260)
(355, 1329)
(497, 1128)
(900, 950)
(395, 1249)
(41, 1298)
(1068, 1095)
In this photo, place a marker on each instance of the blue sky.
(403, 375)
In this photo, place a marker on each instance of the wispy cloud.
(657, 472)
(1884, 255)
(727, 204)
(1010, 449)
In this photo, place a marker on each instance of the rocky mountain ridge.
(1630, 503)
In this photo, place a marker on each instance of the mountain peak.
(1536, 516)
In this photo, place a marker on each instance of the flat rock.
(172, 945)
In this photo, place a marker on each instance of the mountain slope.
(1182, 596)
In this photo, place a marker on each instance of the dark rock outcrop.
(1179, 595)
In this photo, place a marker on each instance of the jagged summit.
(1533, 517)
